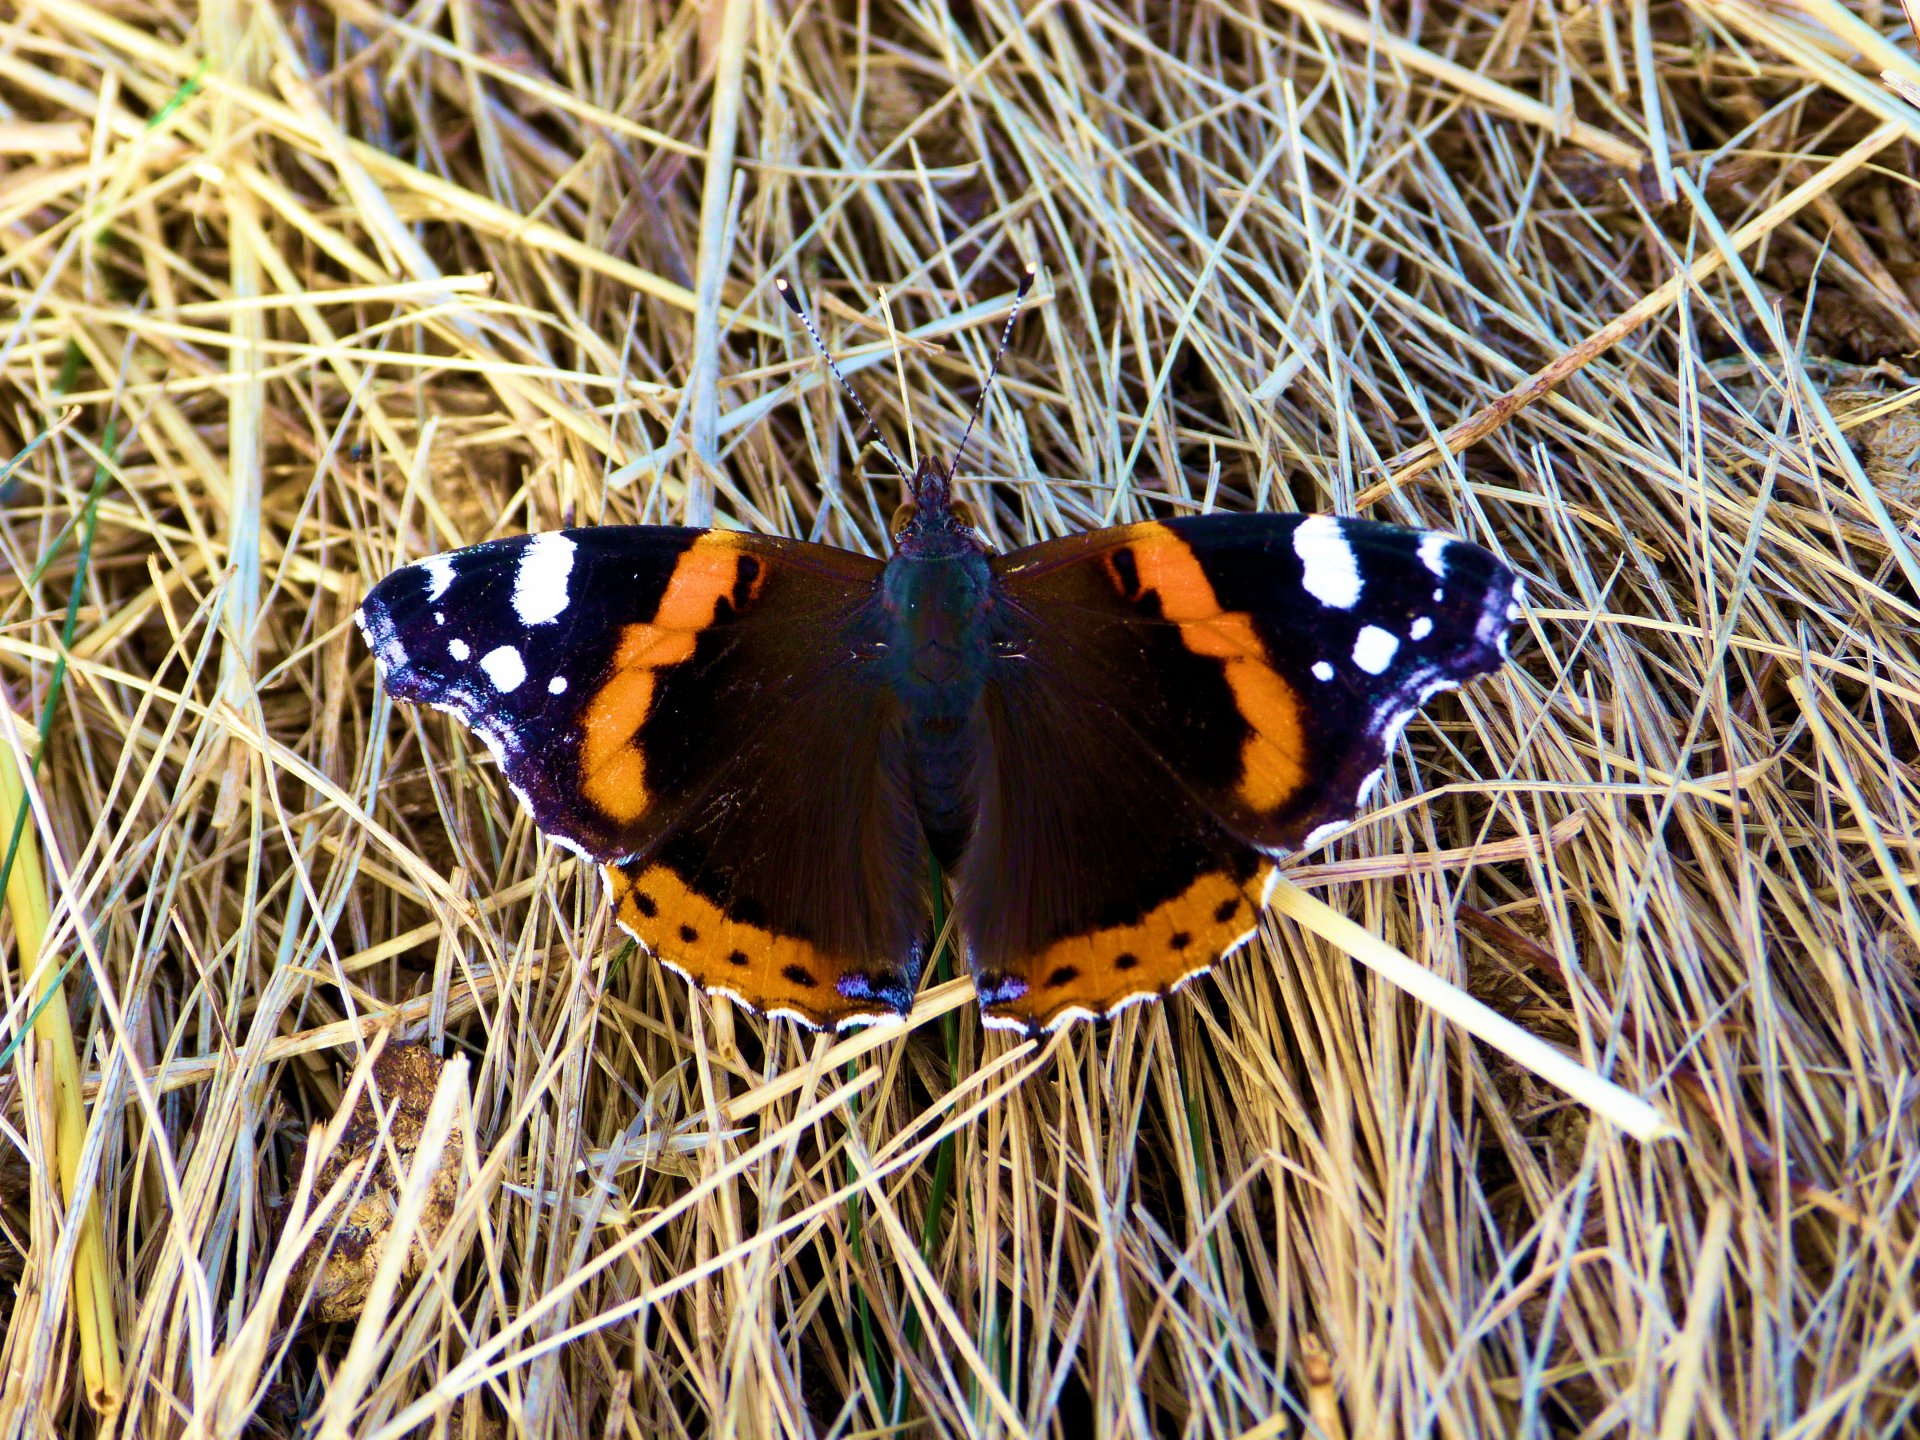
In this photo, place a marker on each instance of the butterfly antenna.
(793, 304)
(1026, 284)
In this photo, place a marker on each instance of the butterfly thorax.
(937, 596)
(936, 611)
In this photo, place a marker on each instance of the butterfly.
(1102, 742)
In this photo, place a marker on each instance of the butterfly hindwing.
(688, 708)
(1176, 702)
(797, 879)
(1095, 874)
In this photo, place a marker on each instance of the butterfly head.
(930, 524)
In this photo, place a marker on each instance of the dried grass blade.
(1606, 1099)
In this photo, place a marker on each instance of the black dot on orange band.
(643, 902)
(738, 957)
(1226, 910)
(689, 934)
(746, 572)
(1126, 960)
(801, 976)
(1180, 939)
(1065, 975)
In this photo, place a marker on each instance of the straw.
(1625, 292)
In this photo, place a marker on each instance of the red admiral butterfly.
(1102, 740)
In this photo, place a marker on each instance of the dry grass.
(331, 291)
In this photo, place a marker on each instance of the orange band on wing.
(1099, 972)
(767, 971)
(613, 772)
(1271, 767)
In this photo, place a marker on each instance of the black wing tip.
(377, 628)
(401, 676)
(1502, 604)
(1483, 650)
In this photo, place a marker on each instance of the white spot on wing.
(1513, 612)
(1001, 1022)
(1322, 670)
(1330, 573)
(439, 570)
(864, 1022)
(439, 617)
(1420, 629)
(458, 649)
(388, 652)
(504, 668)
(1390, 731)
(1066, 1016)
(540, 582)
(1373, 651)
(1320, 832)
(565, 844)
(1368, 786)
(557, 685)
(1433, 552)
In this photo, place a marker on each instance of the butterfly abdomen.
(936, 654)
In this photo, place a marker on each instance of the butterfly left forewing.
(686, 708)
(521, 639)
(1203, 693)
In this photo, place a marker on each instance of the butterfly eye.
(902, 518)
(962, 515)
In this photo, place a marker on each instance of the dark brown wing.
(1176, 703)
(691, 709)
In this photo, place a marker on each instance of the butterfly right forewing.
(1177, 703)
